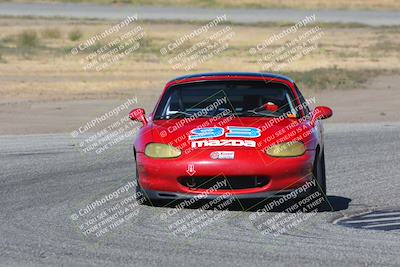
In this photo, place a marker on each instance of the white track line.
(381, 225)
(382, 214)
(374, 220)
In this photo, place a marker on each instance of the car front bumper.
(162, 178)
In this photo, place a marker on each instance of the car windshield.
(226, 98)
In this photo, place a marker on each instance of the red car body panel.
(284, 174)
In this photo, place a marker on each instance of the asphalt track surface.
(45, 179)
(237, 15)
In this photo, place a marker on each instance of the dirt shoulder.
(376, 103)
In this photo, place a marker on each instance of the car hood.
(176, 132)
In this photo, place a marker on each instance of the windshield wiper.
(180, 113)
(253, 112)
(250, 113)
(176, 114)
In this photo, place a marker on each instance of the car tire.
(319, 173)
(320, 185)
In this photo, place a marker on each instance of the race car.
(246, 135)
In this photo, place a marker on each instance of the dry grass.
(344, 59)
(51, 33)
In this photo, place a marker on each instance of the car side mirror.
(138, 114)
(320, 113)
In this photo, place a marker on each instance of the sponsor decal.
(223, 142)
(208, 133)
(222, 155)
(231, 131)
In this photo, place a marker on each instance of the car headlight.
(157, 150)
(287, 149)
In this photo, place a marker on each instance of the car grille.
(218, 183)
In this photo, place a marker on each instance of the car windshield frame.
(160, 108)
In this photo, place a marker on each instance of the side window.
(172, 105)
(302, 100)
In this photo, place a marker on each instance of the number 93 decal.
(231, 131)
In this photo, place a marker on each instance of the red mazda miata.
(247, 135)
